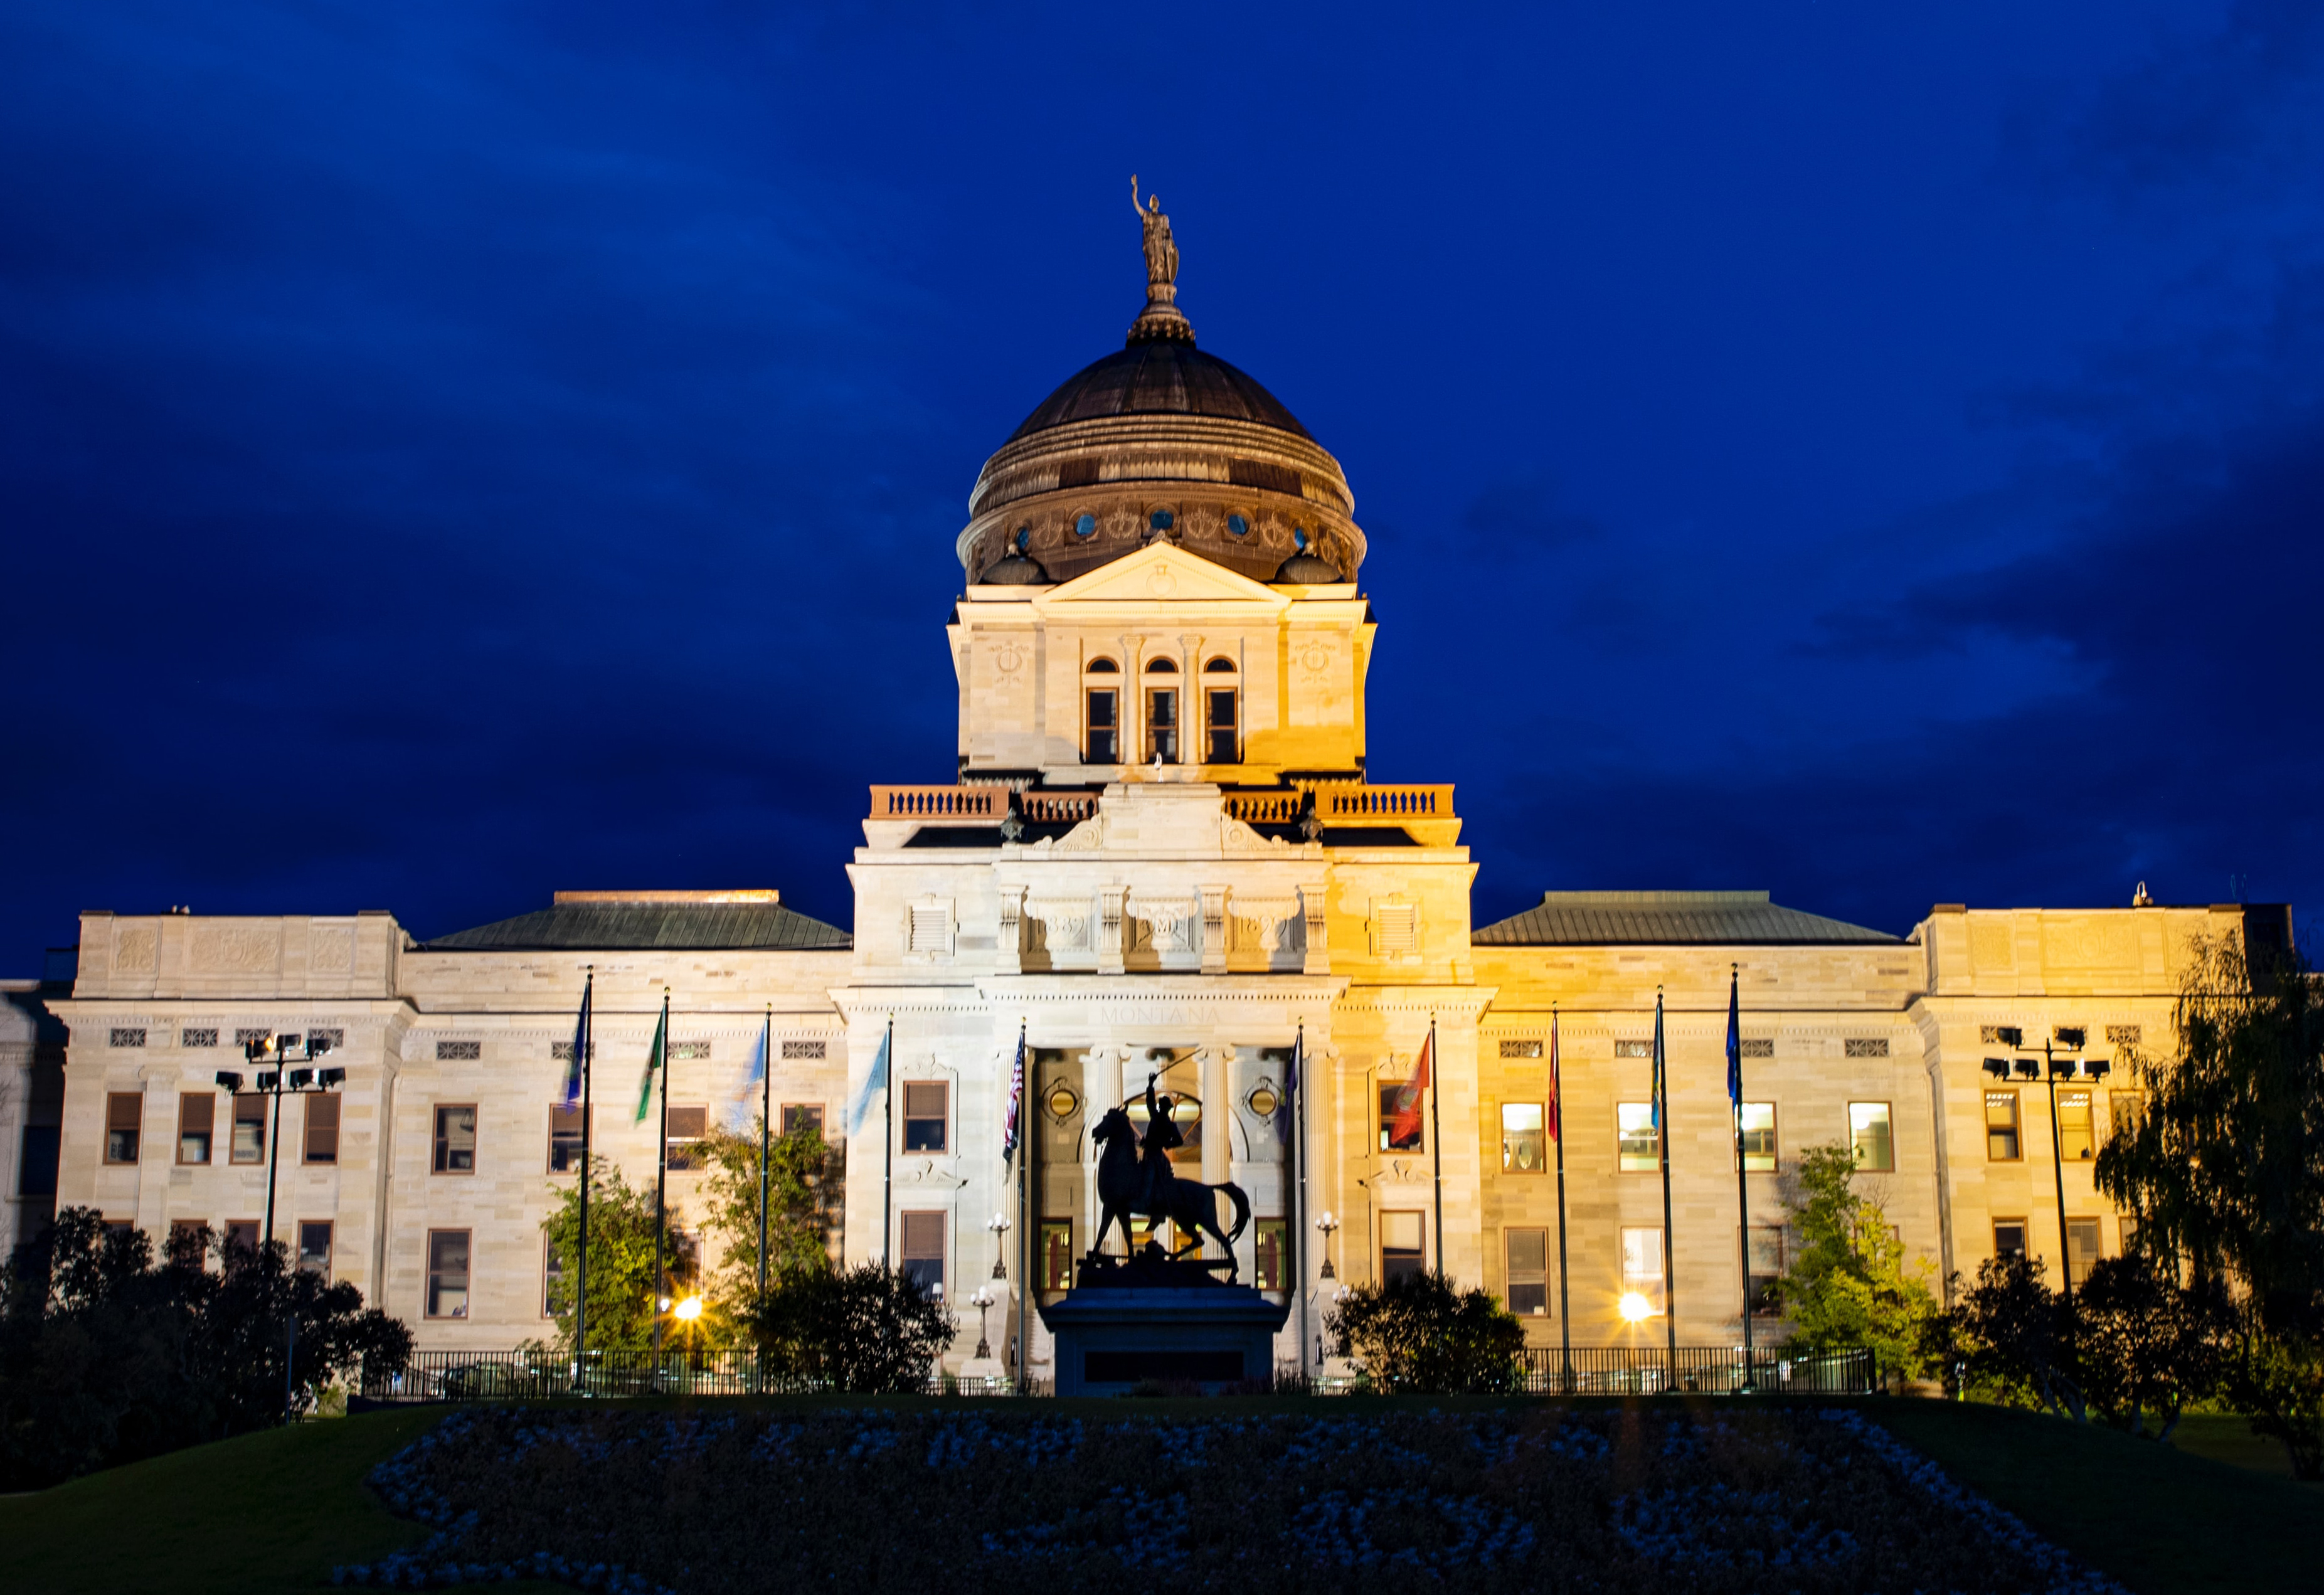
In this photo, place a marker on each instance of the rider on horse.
(1154, 1156)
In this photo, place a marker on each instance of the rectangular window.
(1528, 1251)
(1524, 1143)
(2009, 1237)
(1766, 1270)
(322, 1128)
(2001, 1127)
(564, 1139)
(242, 1234)
(456, 1141)
(1401, 1117)
(926, 1112)
(124, 1112)
(1267, 1255)
(249, 1143)
(196, 1119)
(1222, 725)
(1868, 1132)
(1162, 725)
(447, 1273)
(2081, 1248)
(2074, 1143)
(1639, 1143)
(1056, 1254)
(1103, 745)
(1642, 1266)
(924, 1251)
(687, 1126)
(799, 1116)
(2124, 1109)
(1759, 1138)
(1403, 1251)
(314, 1246)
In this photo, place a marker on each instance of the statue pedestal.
(1111, 1339)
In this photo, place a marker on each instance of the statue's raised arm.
(1161, 253)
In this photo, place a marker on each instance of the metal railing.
(1712, 1370)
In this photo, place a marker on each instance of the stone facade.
(1162, 856)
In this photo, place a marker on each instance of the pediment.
(1161, 574)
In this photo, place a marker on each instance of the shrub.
(869, 1328)
(1417, 1333)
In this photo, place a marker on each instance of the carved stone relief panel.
(135, 949)
(230, 949)
(332, 950)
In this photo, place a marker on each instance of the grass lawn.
(2162, 1521)
(275, 1511)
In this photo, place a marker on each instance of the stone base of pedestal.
(1109, 1341)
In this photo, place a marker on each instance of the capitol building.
(1162, 854)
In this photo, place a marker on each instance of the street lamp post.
(273, 1082)
(2053, 1068)
(1325, 1223)
(982, 1299)
(999, 1224)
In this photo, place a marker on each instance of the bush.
(106, 1356)
(1417, 1333)
(871, 1328)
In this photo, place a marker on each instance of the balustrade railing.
(939, 803)
(1265, 808)
(1408, 802)
(1057, 808)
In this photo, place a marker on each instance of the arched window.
(1220, 665)
(1162, 666)
(1102, 667)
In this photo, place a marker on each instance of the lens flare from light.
(1635, 1308)
(689, 1309)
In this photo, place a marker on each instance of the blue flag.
(1735, 1039)
(580, 1048)
(738, 1117)
(1657, 1108)
(874, 1084)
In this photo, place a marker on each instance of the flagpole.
(581, 1307)
(888, 1178)
(1564, 1297)
(1437, 1141)
(1661, 1142)
(766, 1111)
(1024, 1220)
(1296, 1265)
(1742, 1189)
(661, 1188)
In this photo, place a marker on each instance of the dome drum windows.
(1084, 526)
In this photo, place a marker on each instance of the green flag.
(653, 1062)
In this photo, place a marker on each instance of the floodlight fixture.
(2071, 1037)
(269, 1078)
(317, 1045)
(228, 1080)
(1997, 1067)
(2061, 1068)
(2009, 1035)
(2096, 1068)
(2029, 1068)
(300, 1079)
(328, 1078)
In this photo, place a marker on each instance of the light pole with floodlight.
(272, 1082)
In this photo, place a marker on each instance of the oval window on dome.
(1024, 538)
(1237, 525)
(1161, 521)
(1299, 538)
(1162, 668)
(1084, 525)
(1102, 668)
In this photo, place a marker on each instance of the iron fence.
(1586, 1370)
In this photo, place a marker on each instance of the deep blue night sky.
(452, 452)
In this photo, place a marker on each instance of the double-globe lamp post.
(273, 1081)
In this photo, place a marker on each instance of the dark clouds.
(449, 454)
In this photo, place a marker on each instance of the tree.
(2145, 1339)
(2225, 1168)
(1847, 1284)
(622, 1285)
(107, 1357)
(2011, 1333)
(869, 1328)
(1417, 1333)
(804, 1180)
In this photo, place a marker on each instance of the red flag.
(1403, 1129)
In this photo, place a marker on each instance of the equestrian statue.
(1135, 1178)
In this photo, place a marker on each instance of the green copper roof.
(616, 926)
(1667, 918)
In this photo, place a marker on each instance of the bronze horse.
(1190, 1204)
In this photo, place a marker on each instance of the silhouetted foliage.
(2145, 1340)
(106, 1356)
(2011, 1336)
(869, 1328)
(1417, 1333)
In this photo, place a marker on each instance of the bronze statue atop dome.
(1161, 253)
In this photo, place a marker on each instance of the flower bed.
(1636, 1497)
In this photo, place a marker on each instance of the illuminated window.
(1868, 1132)
(455, 1139)
(1524, 1143)
(687, 1126)
(2001, 1127)
(1400, 1116)
(197, 1116)
(926, 1104)
(1528, 1251)
(1267, 1255)
(1642, 1266)
(1056, 1254)
(125, 1112)
(249, 1143)
(1403, 1249)
(1759, 1138)
(1639, 1144)
(2074, 1144)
